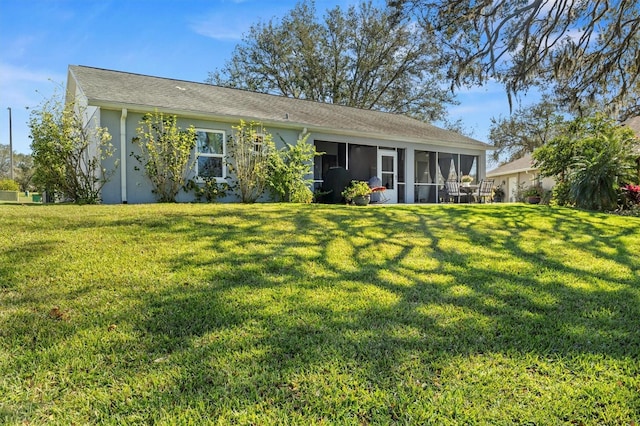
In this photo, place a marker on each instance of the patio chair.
(377, 190)
(453, 190)
(485, 190)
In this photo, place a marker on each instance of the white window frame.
(221, 156)
(258, 142)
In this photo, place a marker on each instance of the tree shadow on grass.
(373, 297)
(353, 315)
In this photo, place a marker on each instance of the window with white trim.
(210, 150)
(258, 141)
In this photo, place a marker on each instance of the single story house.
(518, 174)
(411, 158)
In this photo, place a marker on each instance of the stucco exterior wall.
(138, 188)
(511, 181)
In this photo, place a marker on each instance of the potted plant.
(533, 194)
(466, 180)
(498, 194)
(358, 193)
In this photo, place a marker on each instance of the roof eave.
(510, 172)
(287, 124)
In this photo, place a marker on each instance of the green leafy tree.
(361, 57)
(289, 171)
(24, 174)
(22, 164)
(524, 131)
(5, 161)
(165, 153)
(68, 153)
(585, 50)
(250, 148)
(590, 160)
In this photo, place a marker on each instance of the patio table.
(469, 190)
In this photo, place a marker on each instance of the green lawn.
(315, 314)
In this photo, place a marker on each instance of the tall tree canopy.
(524, 130)
(362, 57)
(587, 50)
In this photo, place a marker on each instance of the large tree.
(22, 167)
(525, 130)
(362, 57)
(586, 50)
(5, 162)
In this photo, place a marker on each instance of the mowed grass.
(315, 314)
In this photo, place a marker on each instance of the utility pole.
(10, 147)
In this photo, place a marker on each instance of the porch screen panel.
(334, 155)
(425, 178)
(423, 175)
(363, 162)
(447, 164)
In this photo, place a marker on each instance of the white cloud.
(220, 26)
(216, 32)
(20, 85)
(10, 73)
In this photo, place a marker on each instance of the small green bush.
(290, 171)
(9, 185)
(208, 191)
(355, 189)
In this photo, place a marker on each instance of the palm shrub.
(597, 174)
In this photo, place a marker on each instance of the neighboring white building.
(411, 158)
(520, 172)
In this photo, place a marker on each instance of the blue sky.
(177, 39)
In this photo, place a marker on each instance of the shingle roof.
(634, 124)
(523, 164)
(106, 88)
